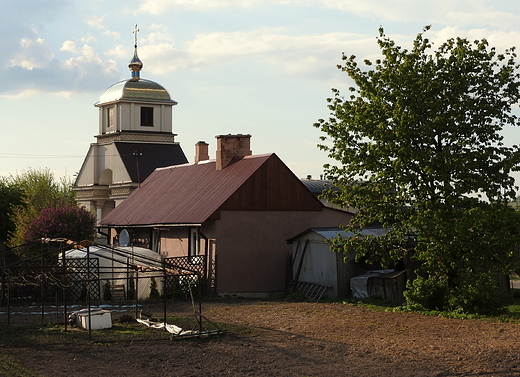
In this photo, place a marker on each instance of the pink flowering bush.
(71, 222)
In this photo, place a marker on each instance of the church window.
(110, 116)
(146, 116)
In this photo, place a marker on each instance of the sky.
(259, 67)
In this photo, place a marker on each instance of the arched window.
(105, 178)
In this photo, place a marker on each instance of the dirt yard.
(267, 338)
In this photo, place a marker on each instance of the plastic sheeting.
(358, 284)
(172, 329)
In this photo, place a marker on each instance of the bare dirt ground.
(268, 338)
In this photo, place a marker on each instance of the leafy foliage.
(420, 152)
(69, 222)
(39, 191)
(154, 292)
(10, 196)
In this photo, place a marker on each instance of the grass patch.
(511, 312)
(10, 367)
(372, 303)
(33, 335)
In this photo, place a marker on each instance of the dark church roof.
(149, 157)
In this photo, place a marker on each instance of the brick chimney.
(230, 147)
(201, 151)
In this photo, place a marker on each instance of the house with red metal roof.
(233, 214)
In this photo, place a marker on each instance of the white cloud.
(114, 34)
(119, 52)
(502, 40)
(95, 22)
(88, 39)
(459, 12)
(160, 6)
(27, 93)
(33, 53)
(306, 54)
(68, 46)
(156, 37)
(34, 69)
(88, 61)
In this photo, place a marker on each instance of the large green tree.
(39, 190)
(420, 151)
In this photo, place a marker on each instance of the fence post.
(64, 286)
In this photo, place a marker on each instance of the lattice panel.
(212, 277)
(187, 265)
(80, 275)
(183, 273)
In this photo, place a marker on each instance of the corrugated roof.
(183, 194)
(317, 186)
(329, 233)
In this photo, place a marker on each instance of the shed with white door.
(314, 262)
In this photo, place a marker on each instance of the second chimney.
(230, 147)
(201, 151)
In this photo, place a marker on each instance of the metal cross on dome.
(135, 31)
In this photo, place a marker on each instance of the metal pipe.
(8, 301)
(88, 295)
(64, 286)
(164, 294)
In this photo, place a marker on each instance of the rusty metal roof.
(183, 194)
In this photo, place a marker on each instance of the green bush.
(154, 292)
(107, 293)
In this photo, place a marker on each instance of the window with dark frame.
(110, 116)
(146, 116)
(156, 240)
(194, 246)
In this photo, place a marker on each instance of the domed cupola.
(135, 64)
(135, 105)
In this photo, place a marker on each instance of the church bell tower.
(135, 137)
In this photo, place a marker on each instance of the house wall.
(272, 187)
(252, 252)
(174, 242)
